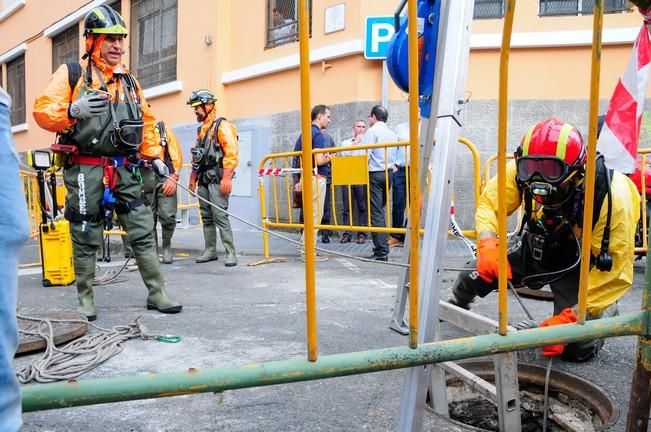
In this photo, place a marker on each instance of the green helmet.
(104, 20)
(201, 96)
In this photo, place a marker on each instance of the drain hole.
(565, 413)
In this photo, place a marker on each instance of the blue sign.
(379, 31)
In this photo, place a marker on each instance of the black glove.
(87, 106)
(160, 168)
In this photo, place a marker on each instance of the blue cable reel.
(398, 52)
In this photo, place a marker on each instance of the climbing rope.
(275, 234)
(111, 276)
(81, 355)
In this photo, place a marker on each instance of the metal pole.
(147, 386)
(385, 84)
(307, 180)
(590, 172)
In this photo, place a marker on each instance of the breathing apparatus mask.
(549, 179)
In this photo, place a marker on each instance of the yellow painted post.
(591, 168)
(414, 193)
(263, 214)
(307, 179)
(501, 163)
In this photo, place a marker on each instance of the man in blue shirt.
(320, 120)
(399, 187)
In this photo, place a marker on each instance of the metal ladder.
(443, 127)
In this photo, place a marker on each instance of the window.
(65, 47)
(282, 22)
(153, 41)
(16, 89)
(579, 7)
(488, 9)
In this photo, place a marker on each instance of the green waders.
(212, 217)
(163, 208)
(85, 190)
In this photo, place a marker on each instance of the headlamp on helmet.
(200, 97)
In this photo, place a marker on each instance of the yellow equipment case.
(54, 235)
(56, 253)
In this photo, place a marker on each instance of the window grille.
(488, 9)
(579, 7)
(65, 47)
(282, 22)
(16, 89)
(154, 41)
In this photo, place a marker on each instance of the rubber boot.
(85, 275)
(229, 246)
(168, 256)
(210, 240)
(153, 278)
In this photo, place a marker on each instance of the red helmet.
(550, 149)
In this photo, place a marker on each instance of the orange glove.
(567, 316)
(226, 183)
(192, 185)
(488, 260)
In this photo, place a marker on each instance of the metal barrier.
(348, 170)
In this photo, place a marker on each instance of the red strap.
(94, 160)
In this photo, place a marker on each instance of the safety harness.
(165, 144)
(553, 229)
(110, 203)
(208, 155)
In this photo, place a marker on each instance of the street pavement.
(234, 316)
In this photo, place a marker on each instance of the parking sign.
(379, 31)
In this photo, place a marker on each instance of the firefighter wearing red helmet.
(547, 178)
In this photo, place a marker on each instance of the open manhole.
(574, 403)
(63, 331)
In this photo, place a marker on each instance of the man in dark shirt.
(320, 120)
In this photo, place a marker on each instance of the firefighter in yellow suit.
(548, 173)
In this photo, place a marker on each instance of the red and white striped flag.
(619, 136)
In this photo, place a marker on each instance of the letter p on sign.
(379, 31)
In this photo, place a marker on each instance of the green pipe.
(88, 392)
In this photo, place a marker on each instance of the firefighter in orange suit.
(548, 176)
(101, 120)
(161, 191)
(214, 159)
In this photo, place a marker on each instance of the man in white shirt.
(380, 162)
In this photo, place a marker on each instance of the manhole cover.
(574, 403)
(63, 331)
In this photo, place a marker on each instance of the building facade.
(247, 53)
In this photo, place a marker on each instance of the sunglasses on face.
(550, 169)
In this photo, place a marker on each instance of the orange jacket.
(51, 107)
(227, 137)
(153, 149)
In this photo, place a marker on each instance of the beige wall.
(237, 30)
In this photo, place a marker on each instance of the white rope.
(296, 242)
(79, 356)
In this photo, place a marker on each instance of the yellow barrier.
(347, 171)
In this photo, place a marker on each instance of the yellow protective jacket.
(51, 107)
(227, 137)
(604, 288)
(154, 149)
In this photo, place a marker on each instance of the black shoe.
(325, 239)
(378, 257)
